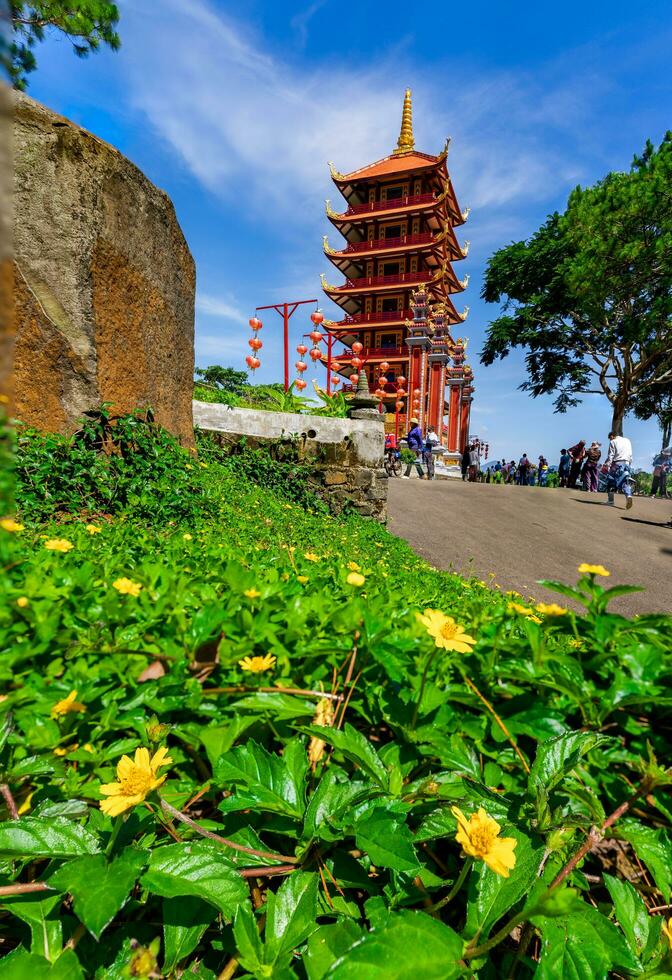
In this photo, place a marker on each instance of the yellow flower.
(25, 806)
(479, 837)
(311, 556)
(552, 609)
(9, 524)
(577, 644)
(67, 705)
(353, 566)
(88, 747)
(136, 778)
(302, 579)
(355, 578)
(58, 544)
(585, 569)
(22, 601)
(4, 399)
(60, 751)
(252, 593)
(257, 665)
(524, 611)
(666, 929)
(188, 466)
(187, 537)
(93, 529)
(447, 634)
(126, 586)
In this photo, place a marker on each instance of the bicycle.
(392, 461)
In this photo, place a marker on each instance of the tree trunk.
(617, 416)
(667, 434)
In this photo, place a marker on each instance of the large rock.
(103, 281)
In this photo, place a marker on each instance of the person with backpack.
(431, 441)
(590, 475)
(577, 454)
(415, 443)
(523, 471)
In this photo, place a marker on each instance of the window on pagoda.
(393, 231)
(390, 269)
(393, 193)
(389, 305)
(388, 340)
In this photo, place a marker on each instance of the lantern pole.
(286, 310)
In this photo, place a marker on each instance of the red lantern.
(315, 354)
(416, 391)
(401, 380)
(255, 324)
(384, 365)
(252, 362)
(300, 384)
(379, 393)
(399, 406)
(356, 362)
(255, 343)
(357, 348)
(317, 317)
(401, 392)
(300, 366)
(315, 336)
(336, 366)
(301, 349)
(354, 378)
(335, 380)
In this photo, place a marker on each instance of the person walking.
(465, 461)
(416, 444)
(431, 441)
(511, 472)
(564, 467)
(543, 471)
(617, 465)
(590, 474)
(576, 454)
(661, 468)
(523, 470)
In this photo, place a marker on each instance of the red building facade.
(399, 285)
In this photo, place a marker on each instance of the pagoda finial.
(406, 143)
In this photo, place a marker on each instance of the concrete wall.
(103, 282)
(346, 454)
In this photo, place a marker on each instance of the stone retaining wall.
(346, 455)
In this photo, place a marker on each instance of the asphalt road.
(524, 534)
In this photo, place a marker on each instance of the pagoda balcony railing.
(402, 277)
(391, 316)
(382, 243)
(392, 205)
(392, 352)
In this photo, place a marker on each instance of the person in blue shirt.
(563, 468)
(416, 444)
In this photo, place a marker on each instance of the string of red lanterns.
(255, 343)
(314, 353)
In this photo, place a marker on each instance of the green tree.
(656, 403)
(85, 23)
(224, 378)
(589, 295)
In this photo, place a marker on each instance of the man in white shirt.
(617, 465)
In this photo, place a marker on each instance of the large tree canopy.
(86, 24)
(589, 295)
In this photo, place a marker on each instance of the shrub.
(373, 768)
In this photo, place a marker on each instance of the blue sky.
(234, 109)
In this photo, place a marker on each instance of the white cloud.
(214, 306)
(246, 123)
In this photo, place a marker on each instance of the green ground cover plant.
(241, 737)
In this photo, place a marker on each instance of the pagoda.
(397, 296)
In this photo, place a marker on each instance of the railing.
(394, 204)
(402, 277)
(368, 352)
(391, 316)
(381, 243)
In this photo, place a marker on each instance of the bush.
(373, 768)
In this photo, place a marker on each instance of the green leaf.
(33, 837)
(21, 965)
(248, 942)
(197, 869)
(355, 747)
(331, 802)
(410, 944)
(184, 922)
(45, 925)
(652, 847)
(491, 895)
(558, 756)
(631, 913)
(582, 942)
(264, 781)
(387, 839)
(99, 889)
(328, 944)
(291, 914)
(219, 739)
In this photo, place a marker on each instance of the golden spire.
(406, 143)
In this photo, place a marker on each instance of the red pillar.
(415, 381)
(464, 422)
(435, 412)
(454, 419)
